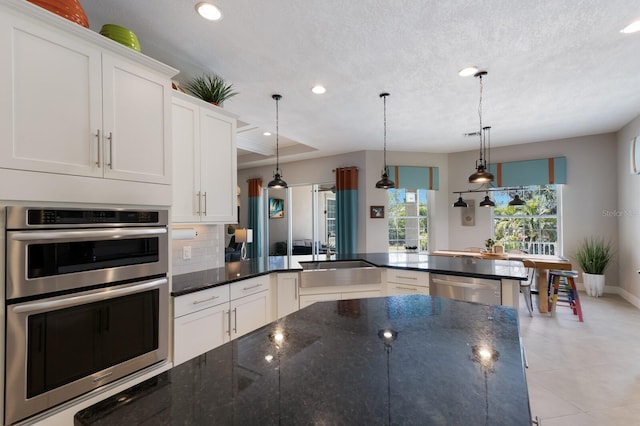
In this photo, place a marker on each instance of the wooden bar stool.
(563, 283)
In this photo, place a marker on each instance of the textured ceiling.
(556, 69)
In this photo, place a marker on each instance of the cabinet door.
(250, 313)
(218, 166)
(287, 295)
(50, 100)
(185, 122)
(136, 127)
(199, 332)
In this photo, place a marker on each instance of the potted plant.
(211, 88)
(489, 243)
(593, 256)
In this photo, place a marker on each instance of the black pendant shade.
(385, 182)
(517, 201)
(487, 202)
(460, 202)
(277, 181)
(481, 176)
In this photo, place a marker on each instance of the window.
(331, 222)
(408, 219)
(534, 227)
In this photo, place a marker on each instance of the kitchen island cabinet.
(331, 363)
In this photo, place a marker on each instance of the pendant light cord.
(277, 98)
(480, 117)
(384, 102)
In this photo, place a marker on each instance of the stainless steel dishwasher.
(469, 289)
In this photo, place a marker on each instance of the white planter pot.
(594, 284)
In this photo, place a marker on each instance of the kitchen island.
(388, 360)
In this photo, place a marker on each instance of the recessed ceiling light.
(209, 11)
(267, 133)
(634, 27)
(468, 71)
(318, 89)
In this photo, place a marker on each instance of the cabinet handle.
(197, 302)
(296, 288)
(229, 323)
(110, 138)
(252, 287)
(98, 143)
(406, 288)
(205, 203)
(406, 278)
(199, 203)
(235, 320)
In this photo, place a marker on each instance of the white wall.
(372, 233)
(628, 215)
(590, 191)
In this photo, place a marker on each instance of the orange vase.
(70, 9)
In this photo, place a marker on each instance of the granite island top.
(462, 266)
(389, 360)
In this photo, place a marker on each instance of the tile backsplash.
(207, 249)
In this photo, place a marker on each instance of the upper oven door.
(46, 261)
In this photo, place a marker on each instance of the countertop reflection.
(389, 360)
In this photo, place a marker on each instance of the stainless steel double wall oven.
(86, 298)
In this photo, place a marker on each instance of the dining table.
(543, 263)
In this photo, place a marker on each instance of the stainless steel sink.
(339, 273)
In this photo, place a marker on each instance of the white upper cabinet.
(204, 160)
(73, 104)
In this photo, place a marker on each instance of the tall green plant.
(594, 255)
(211, 88)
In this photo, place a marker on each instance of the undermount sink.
(339, 273)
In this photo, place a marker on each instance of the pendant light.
(517, 201)
(487, 202)
(482, 175)
(385, 182)
(277, 181)
(460, 202)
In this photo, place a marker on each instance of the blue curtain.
(254, 222)
(347, 210)
(415, 177)
(530, 172)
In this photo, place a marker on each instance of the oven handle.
(88, 298)
(66, 235)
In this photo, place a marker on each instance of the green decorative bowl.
(121, 35)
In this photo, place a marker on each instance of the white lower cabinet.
(287, 294)
(400, 281)
(206, 319)
(201, 322)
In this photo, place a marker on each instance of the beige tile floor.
(584, 373)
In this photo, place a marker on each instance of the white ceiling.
(556, 69)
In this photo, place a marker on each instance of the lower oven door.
(469, 289)
(59, 348)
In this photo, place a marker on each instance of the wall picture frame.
(376, 212)
(276, 208)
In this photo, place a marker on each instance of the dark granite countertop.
(334, 366)
(462, 266)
